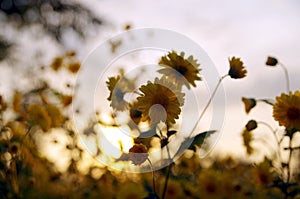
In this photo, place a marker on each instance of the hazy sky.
(250, 29)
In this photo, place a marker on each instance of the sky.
(248, 29)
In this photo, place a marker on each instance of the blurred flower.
(174, 190)
(286, 110)
(71, 53)
(17, 102)
(247, 139)
(38, 115)
(56, 116)
(183, 71)
(138, 154)
(209, 184)
(56, 63)
(160, 99)
(249, 103)
(74, 67)
(18, 128)
(117, 92)
(14, 148)
(131, 191)
(237, 70)
(251, 125)
(3, 105)
(66, 100)
(271, 61)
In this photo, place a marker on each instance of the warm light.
(116, 141)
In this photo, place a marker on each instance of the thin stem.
(287, 79)
(153, 175)
(168, 174)
(166, 181)
(289, 161)
(271, 129)
(267, 101)
(209, 102)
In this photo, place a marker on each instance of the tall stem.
(287, 79)
(209, 102)
(168, 174)
(289, 161)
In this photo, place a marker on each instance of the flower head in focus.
(237, 69)
(177, 68)
(286, 110)
(160, 101)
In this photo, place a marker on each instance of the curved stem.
(267, 101)
(271, 129)
(287, 79)
(209, 102)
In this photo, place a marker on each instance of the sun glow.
(114, 141)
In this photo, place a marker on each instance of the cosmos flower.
(237, 70)
(160, 101)
(286, 110)
(183, 71)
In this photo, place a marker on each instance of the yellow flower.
(138, 154)
(38, 115)
(74, 67)
(160, 101)
(237, 70)
(183, 71)
(286, 110)
(117, 93)
(249, 104)
(56, 63)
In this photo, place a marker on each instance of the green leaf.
(172, 132)
(193, 142)
(199, 139)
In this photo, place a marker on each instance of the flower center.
(293, 113)
(181, 69)
(161, 99)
